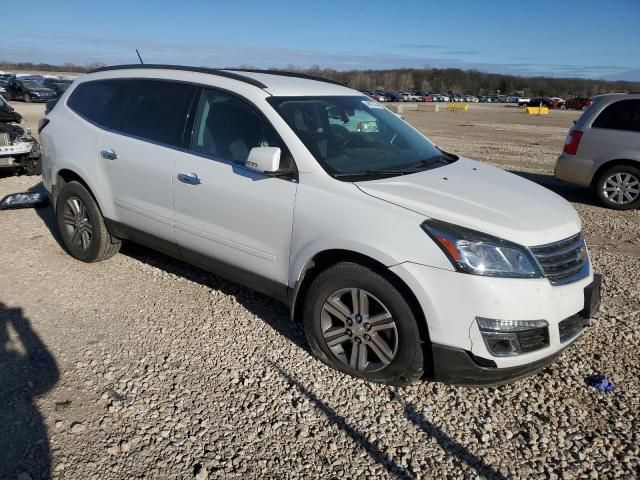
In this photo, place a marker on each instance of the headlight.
(35, 94)
(480, 254)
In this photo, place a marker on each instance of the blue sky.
(585, 38)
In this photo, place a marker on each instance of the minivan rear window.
(157, 111)
(101, 101)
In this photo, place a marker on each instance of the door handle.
(109, 154)
(191, 179)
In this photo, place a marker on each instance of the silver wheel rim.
(359, 330)
(621, 188)
(77, 222)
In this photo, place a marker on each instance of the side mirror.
(263, 159)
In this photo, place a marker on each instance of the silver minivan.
(602, 150)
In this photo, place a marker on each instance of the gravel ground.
(145, 367)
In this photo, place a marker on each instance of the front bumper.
(451, 301)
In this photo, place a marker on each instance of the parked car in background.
(602, 150)
(394, 97)
(28, 91)
(537, 102)
(557, 102)
(523, 101)
(57, 85)
(3, 87)
(410, 97)
(380, 96)
(481, 279)
(19, 150)
(578, 103)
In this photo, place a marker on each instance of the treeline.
(439, 80)
(469, 82)
(46, 67)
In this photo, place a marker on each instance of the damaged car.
(19, 150)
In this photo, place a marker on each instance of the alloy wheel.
(621, 188)
(77, 223)
(359, 330)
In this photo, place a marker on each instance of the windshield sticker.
(371, 104)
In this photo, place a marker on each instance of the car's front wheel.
(619, 187)
(27, 98)
(357, 322)
(82, 226)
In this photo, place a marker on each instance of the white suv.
(400, 259)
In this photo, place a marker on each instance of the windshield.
(356, 136)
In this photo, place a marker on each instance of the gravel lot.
(144, 367)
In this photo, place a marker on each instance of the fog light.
(505, 338)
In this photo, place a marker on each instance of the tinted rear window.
(101, 101)
(621, 115)
(157, 111)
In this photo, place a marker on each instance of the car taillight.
(43, 122)
(572, 142)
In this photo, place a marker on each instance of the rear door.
(233, 220)
(136, 161)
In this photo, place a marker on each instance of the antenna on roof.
(139, 57)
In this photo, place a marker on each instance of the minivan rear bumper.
(574, 169)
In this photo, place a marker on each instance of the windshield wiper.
(395, 171)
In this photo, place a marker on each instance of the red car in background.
(578, 103)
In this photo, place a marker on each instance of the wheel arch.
(66, 175)
(327, 258)
(612, 163)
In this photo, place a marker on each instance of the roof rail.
(284, 73)
(210, 71)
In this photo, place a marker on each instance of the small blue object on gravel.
(601, 382)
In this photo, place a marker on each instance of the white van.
(399, 258)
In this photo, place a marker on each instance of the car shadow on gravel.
(376, 452)
(27, 371)
(570, 192)
(270, 311)
(451, 446)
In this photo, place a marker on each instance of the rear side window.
(621, 115)
(157, 111)
(101, 101)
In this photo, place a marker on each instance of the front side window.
(227, 128)
(621, 115)
(101, 101)
(355, 136)
(157, 111)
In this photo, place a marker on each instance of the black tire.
(27, 98)
(624, 170)
(101, 245)
(407, 364)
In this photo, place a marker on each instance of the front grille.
(563, 261)
(534, 339)
(570, 327)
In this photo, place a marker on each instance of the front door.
(235, 220)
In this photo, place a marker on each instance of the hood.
(484, 198)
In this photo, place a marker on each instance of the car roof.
(277, 83)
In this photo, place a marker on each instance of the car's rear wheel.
(619, 187)
(82, 226)
(359, 323)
